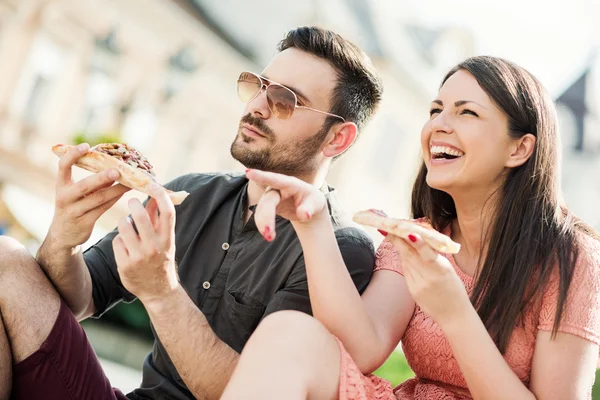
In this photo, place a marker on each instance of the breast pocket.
(244, 314)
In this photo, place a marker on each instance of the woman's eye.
(434, 111)
(469, 112)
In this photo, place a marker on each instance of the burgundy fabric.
(64, 368)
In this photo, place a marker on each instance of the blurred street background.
(161, 75)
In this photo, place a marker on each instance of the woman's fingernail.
(384, 233)
(247, 170)
(267, 234)
(308, 216)
(412, 238)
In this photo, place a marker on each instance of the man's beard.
(294, 157)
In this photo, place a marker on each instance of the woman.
(514, 315)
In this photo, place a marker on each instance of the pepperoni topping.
(127, 154)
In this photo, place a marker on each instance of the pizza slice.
(136, 171)
(404, 227)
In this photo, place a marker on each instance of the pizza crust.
(403, 227)
(134, 178)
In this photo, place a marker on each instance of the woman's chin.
(443, 183)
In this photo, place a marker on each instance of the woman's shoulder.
(588, 254)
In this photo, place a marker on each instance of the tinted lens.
(248, 86)
(282, 101)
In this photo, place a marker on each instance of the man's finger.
(142, 221)
(266, 210)
(165, 208)
(92, 184)
(152, 210)
(128, 235)
(119, 248)
(65, 163)
(93, 215)
(97, 199)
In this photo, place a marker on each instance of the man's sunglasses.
(282, 101)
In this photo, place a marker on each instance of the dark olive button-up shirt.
(230, 272)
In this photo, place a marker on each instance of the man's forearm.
(67, 270)
(204, 362)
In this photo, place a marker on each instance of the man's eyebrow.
(302, 96)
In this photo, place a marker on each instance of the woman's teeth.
(442, 151)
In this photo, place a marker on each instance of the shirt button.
(206, 285)
(225, 246)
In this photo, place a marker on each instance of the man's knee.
(13, 256)
(28, 302)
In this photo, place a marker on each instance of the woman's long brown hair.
(532, 231)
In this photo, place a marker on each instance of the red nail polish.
(384, 233)
(247, 170)
(308, 215)
(267, 234)
(412, 238)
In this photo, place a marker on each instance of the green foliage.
(107, 137)
(395, 369)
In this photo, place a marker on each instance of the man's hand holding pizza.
(79, 204)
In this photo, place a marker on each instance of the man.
(209, 280)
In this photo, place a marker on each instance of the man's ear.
(343, 137)
(522, 150)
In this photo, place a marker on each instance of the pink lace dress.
(428, 353)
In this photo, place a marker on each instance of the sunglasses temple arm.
(322, 112)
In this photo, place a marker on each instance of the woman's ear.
(343, 137)
(522, 150)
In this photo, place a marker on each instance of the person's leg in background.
(50, 353)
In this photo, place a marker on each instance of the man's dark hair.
(358, 91)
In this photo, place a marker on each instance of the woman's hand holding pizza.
(80, 204)
(431, 279)
(288, 197)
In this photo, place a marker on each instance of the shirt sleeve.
(581, 313)
(388, 258)
(358, 254)
(107, 289)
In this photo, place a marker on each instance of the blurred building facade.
(160, 75)
(144, 72)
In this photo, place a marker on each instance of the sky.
(551, 38)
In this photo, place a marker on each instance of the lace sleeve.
(581, 314)
(388, 258)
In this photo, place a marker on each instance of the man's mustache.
(257, 123)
